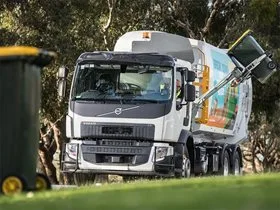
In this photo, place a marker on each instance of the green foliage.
(266, 28)
(66, 27)
(263, 12)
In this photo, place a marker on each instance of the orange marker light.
(146, 35)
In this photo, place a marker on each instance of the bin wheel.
(42, 182)
(271, 65)
(11, 185)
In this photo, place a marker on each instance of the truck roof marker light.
(146, 35)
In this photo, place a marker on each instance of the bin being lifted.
(20, 92)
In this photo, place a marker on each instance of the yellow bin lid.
(44, 57)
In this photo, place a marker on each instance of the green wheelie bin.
(20, 94)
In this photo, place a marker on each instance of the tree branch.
(228, 30)
(52, 125)
(248, 158)
(176, 11)
(217, 5)
(185, 26)
(111, 6)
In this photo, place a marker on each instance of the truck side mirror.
(61, 86)
(189, 88)
(61, 83)
(189, 92)
(62, 72)
(190, 76)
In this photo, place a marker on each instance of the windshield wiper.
(122, 100)
(127, 93)
(89, 99)
(142, 101)
(82, 99)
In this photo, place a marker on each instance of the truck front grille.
(122, 130)
(113, 130)
(117, 151)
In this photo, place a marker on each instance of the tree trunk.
(47, 163)
(57, 155)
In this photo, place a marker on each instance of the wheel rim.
(186, 167)
(12, 185)
(236, 168)
(226, 167)
(41, 183)
(205, 166)
(271, 65)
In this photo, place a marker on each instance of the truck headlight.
(71, 150)
(161, 152)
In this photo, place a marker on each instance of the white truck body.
(111, 135)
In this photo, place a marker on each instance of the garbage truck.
(162, 105)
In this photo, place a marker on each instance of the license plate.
(113, 150)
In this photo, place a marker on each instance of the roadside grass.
(252, 192)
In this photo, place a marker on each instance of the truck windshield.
(123, 83)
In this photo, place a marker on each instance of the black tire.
(182, 163)
(17, 185)
(236, 167)
(84, 178)
(225, 164)
(42, 182)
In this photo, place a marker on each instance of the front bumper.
(121, 160)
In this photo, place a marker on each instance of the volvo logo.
(118, 111)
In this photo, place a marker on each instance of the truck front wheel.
(186, 167)
(183, 165)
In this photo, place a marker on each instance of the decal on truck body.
(224, 103)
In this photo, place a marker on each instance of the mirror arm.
(185, 104)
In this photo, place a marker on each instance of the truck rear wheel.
(236, 168)
(225, 164)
